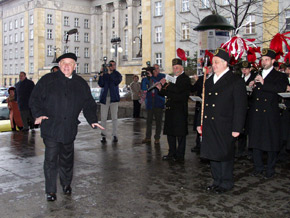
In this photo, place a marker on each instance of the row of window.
(10, 81)
(50, 51)
(16, 24)
(15, 53)
(66, 21)
(158, 7)
(14, 39)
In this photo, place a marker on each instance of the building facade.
(34, 32)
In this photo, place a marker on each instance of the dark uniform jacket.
(61, 99)
(224, 113)
(23, 92)
(176, 112)
(264, 116)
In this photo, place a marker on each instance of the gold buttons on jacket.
(212, 118)
(265, 111)
(213, 105)
(205, 117)
(257, 110)
(258, 99)
(206, 104)
(167, 108)
(259, 88)
(209, 93)
(216, 93)
(265, 99)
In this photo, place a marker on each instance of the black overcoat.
(224, 113)
(264, 113)
(176, 110)
(61, 99)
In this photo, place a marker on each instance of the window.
(15, 80)
(113, 34)
(77, 51)
(77, 37)
(49, 18)
(49, 50)
(126, 19)
(185, 5)
(31, 51)
(140, 17)
(250, 27)
(66, 49)
(86, 23)
(16, 24)
(21, 36)
(158, 34)
(10, 54)
(10, 39)
(5, 27)
(31, 20)
(16, 71)
(158, 8)
(31, 34)
(16, 53)
(22, 53)
(49, 33)
(5, 55)
(10, 80)
(204, 3)
(126, 41)
(229, 19)
(86, 38)
(10, 72)
(5, 40)
(158, 59)
(86, 68)
(10, 25)
(16, 37)
(64, 35)
(21, 21)
(65, 21)
(113, 22)
(77, 68)
(226, 2)
(76, 22)
(287, 16)
(185, 31)
(31, 66)
(140, 32)
(86, 52)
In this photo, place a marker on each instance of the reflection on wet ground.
(129, 179)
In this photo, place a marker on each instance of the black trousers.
(158, 115)
(59, 157)
(27, 119)
(222, 173)
(136, 108)
(258, 161)
(176, 151)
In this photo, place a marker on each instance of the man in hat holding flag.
(175, 124)
(56, 102)
(264, 115)
(225, 105)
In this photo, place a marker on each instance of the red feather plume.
(277, 44)
(252, 54)
(181, 54)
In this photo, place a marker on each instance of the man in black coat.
(223, 120)
(175, 124)
(23, 91)
(247, 76)
(264, 114)
(56, 103)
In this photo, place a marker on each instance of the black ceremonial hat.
(67, 55)
(268, 52)
(245, 64)
(223, 54)
(176, 61)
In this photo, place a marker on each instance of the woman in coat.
(15, 117)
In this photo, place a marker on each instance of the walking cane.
(205, 72)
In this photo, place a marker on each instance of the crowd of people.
(235, 110)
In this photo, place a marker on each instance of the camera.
(145, 70)
(105, 65)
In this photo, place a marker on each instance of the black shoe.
(115, 139)
(103, 140)
(24, 130)
(220, 190)
(67, 190)
(50, 196)
(211, 188)
(178, 159)
(168, 157)
(195, 149)
(269, 175)
(256, 173)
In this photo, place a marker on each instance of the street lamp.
(139, 55)
(70, 32)
(116, 46)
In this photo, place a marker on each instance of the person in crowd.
(247, 76)
(23, 91)
(154, 103)
(176, 113)
(135, 88)
(223, 120)
(14, 113)
(264, 115)
(109, 81)
(54, 69)
(56, 103)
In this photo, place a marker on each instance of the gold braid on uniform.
(165, 86)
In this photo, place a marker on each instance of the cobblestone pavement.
(129, 179)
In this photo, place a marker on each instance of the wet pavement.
(129, 179)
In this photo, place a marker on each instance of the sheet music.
(170, 79)
(284, 94)
(195, 98)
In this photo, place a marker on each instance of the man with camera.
(154, 102)
(109, 81)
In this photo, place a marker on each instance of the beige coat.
(135, 90)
